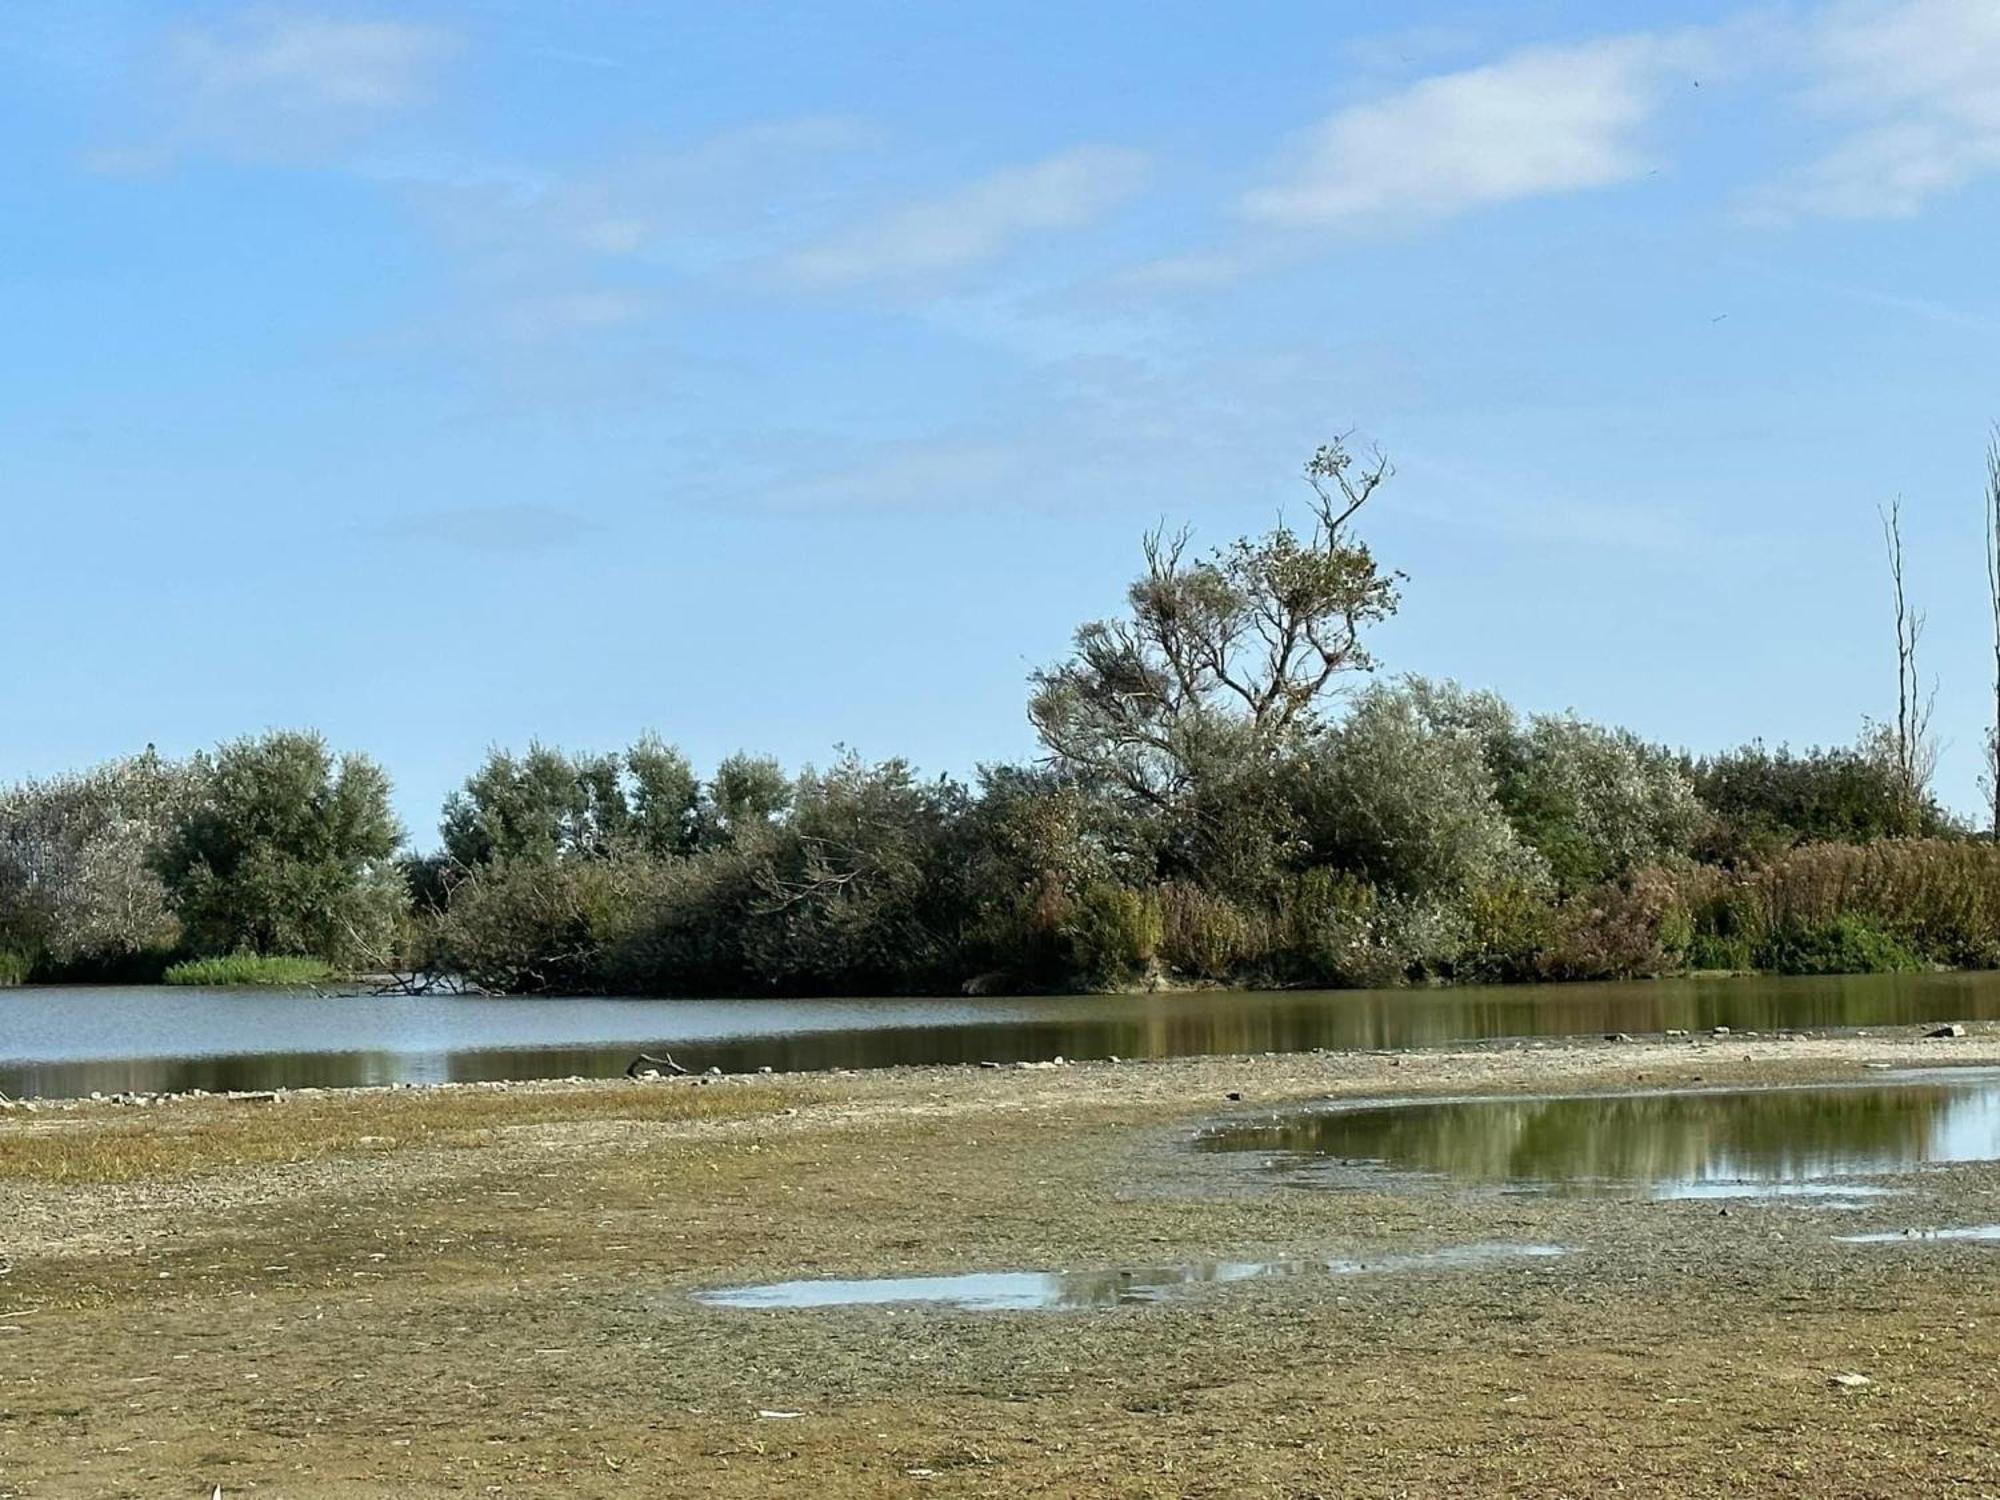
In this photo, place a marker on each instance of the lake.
(74, 1040)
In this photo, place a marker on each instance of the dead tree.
(1989, 776)
(1911, 745)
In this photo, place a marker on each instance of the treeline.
(1216, 804)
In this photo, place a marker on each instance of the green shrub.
(1114, 933)
(1507, 925)
(1711, 952)
(250, 969)
(1847, 945)
(13, 967)
(1202, 934)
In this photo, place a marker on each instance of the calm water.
(1020, 1291)
(1800, 1141)
(75, 1040)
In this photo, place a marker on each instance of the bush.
(529, 926)
(1847, 945)
(1202, 935)
(1629, 929)
(249, 969)
(1507, 925)
(1342, 932)
(13, 968)
(1114, 933)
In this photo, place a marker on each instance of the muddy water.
(1021, 1291)
(57, 1041)
(1702, 1143)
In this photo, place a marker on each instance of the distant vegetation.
(1227, 795)
(271, 969)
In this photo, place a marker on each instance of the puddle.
(1779, 1142)
(1914, 1236)
(1022, 1291)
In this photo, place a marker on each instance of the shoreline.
(407, 1290)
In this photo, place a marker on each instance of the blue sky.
(776, 375)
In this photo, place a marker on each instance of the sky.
(782, 377)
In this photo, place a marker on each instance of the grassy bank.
(250, 969)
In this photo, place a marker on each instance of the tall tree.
(286, 850)
(1990, 773)
(1222, 655)
(1910, 742)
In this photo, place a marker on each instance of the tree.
(1909, 740)
(78, 890)
(1990, 772)
(1402, 794)
(286, 850)
(746, 794)
(1221, 654)
(548, 805)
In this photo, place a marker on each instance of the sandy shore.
(487, 1290)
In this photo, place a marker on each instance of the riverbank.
(487, 1289)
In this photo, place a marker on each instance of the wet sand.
(492, 1290)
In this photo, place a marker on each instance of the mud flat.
(521, 1289)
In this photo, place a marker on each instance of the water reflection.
(1918, 1236)
(1691, 1144)
(74, 1040)
(1022, 1291)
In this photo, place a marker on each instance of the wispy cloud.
(544, 255)
(978, 222)
(1542, 121)
(491, 528)
(281, 85)
(1916, 83)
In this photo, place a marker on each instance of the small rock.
(765, 1069)
(1616, 1036)
(1718, 1031)
(715, 1072)
(1233, 1097)
(1676, 1032)
(1942, 1032)
(989, 1065)
(1850, 1382)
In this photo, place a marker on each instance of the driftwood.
(644, 1060)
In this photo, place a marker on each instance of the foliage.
(1114, 933)
(537, 926)
(1847, 945)
(1764, 802)
(14, 968)
(1401, 794)
(248, 969)
(78, 892)
(287, 850)
(1222, 654)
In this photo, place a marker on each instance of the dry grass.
(167, 1142)
(515, 1319)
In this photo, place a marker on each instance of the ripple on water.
(1021, 1291)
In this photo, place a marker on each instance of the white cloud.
(1917, 83)
(547, 255)
(980, 221)
(1541, 121)
(281, 85)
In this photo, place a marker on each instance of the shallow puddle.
(1801, 1142)
(1021, 1291)
(1915, 1236)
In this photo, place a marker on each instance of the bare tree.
(1989, 776)
(1239, 645)
(1913, 749)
